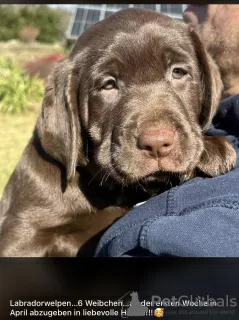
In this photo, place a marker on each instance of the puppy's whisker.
(102, 180)
(110, 173)
(107, 174)
(142, 187)
(99, 171)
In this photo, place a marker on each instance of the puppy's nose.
(158, 143)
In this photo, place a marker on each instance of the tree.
(46, 19)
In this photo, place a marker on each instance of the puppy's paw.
(218, 156)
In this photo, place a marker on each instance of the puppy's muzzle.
(157, 142)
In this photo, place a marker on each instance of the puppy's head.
(133, 99)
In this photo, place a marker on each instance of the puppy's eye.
(178, 73)
(109, 85)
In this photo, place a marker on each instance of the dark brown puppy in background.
(123, 115)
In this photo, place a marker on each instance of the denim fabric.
(199, 218)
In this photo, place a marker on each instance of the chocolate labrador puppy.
(123, 117)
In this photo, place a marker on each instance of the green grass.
(15, 132)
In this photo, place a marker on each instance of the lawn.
(15, 132)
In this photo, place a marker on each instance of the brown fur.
(218, 26)
(82, 168)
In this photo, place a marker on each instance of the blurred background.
(32, 39)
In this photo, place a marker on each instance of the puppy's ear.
(211, 82)
(58, 126)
